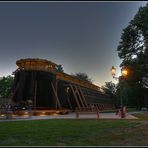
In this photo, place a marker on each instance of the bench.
(87, 110)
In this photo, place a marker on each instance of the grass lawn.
(142, 116)
(74, 132)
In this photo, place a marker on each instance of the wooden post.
(77, 101)
(69, 103)
(76, 90)
(35, 92)
(97, 113)
(55, 93)
(14, 93)
(20, 94)
(83, 96)
(56, 103)
(67, 96)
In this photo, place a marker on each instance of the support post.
(77, 101)
(35, 94)
(56, 96)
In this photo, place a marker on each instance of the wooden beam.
(77, 101)
(17, 87)
(79, 96)
(69, 102)
(35, 93)
(56, 96)
(81, 93)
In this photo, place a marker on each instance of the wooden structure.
(40, 81)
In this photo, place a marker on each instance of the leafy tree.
(6, 84)
(133, 50)
(110, 90)
(133, 47)
(60, 68)
(83, 76)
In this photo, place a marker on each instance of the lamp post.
(124, 73)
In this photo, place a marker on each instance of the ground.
(76, 132)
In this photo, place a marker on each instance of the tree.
(133, 47)
(83, 76)
(133, 50)
(110, 90)
(60, 68)
(141, 22)
(6, 84)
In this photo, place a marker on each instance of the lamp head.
(113, 71)
(124, 71)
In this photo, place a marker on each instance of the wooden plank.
(57, 99)
(74, 80)
(69, 102)
(97, 106)
(17, 87)
(35, 93)
(76, 90)
(56, 103)
(77, 101)
(21, 86)
(83, 97)
(67, 97)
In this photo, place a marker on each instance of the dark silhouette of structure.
(41, 82)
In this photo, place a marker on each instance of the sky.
(82, 36)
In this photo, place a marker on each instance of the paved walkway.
(72, 116)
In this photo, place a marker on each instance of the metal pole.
(122, 111)
(121, 102)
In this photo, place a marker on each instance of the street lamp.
(124, 73)
(113, 72)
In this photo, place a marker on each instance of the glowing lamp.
(113, 71)
(124, 72)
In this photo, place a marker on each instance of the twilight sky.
(82, 36)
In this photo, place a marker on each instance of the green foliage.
(60, 68)
(134, 38)
(133, 50)
(109, 89)
(83, 76)
(6, 84)
(130, 44)
(142, 116)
